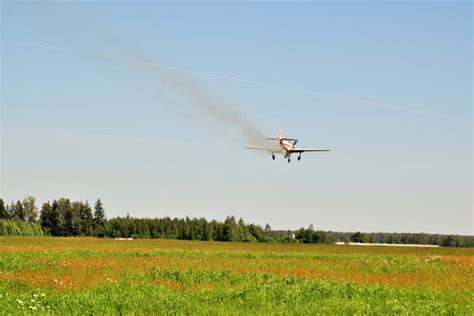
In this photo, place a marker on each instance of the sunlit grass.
(86, 275)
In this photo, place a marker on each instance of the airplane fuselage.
(287, 147)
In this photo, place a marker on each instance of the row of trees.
(59, 218)
(189, 229)
(409, 238)
(23, 210)
(65, 218)
(318, 236)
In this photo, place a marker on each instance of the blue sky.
(388, 87)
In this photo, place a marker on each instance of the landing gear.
(289, 160)
(273, 156)
(299, 157)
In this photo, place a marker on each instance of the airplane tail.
(280, 134)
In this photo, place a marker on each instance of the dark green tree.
(230, 230)
(54, 219)
(244, 232)
(19, 211)
(11, 210)
(45, 218)
(258, 232)
(71, 220)
(87, 219)
(65, 217)
(3, 210)
(99, 219)
(360, 237)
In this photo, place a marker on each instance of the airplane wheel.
(299, 158)
(273, 157)
(289, 160)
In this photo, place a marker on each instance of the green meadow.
(45, 275)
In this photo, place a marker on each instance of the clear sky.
(386, 86)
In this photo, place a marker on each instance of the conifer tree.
(11, 210)
(99, 219)
(54, 219)
(19, 211)
(87, 220)
(65, 218)
(3, 210)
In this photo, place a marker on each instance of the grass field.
(103, 276)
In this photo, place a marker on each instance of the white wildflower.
(19, 301)
(32, 300)
(43, 295)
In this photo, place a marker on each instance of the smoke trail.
(180, 79)
(199, 97)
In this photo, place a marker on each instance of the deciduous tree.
(30, 209)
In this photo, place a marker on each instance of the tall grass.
(104, 277)
(172, 291)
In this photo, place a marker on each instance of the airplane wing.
(258, 148)
(302, 150)
(290, 139)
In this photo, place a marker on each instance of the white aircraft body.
(286, 147)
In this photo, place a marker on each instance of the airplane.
(286, 147)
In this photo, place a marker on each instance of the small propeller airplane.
(286, 147)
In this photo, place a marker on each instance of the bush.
(19, 228)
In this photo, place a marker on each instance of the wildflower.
(48, 307)
(35, 295)
(33, 308)
(19, 301)
(43, 295)
(32, 300)
(56, 280)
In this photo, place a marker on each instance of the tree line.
(63, 217)
(310, 235)
(59, 218)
